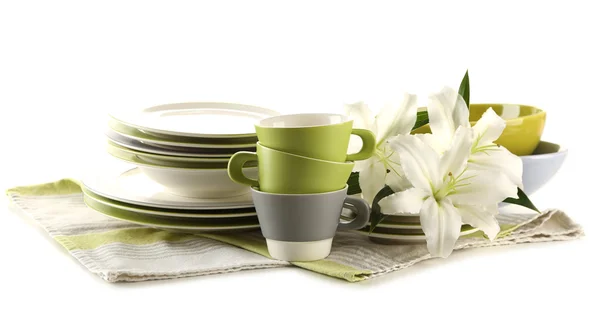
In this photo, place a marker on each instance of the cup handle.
(368, 145)
(235, 167)
(361, 209)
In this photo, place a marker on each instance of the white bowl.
(542, 165)
(198, 183)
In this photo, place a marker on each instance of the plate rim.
(144, 147)
(150, 139)
(167, 213)
(406, 237)
(129, 118)
(199, 228)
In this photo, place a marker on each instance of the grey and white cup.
(301, 227)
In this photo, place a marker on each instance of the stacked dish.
(397, 229)
(125, 193)
(177, 178)
(185, 147)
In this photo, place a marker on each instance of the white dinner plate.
(197, 119)
(125, 183)
(174, 151)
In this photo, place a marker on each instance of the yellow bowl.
(524, 125)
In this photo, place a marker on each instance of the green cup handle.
(368, 145)
(236, 165)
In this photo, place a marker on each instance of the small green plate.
(173, 213)
(193, 226)
(145, 160)
(181, 141)
(162, 157)
(408, 236)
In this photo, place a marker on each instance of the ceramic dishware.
(161, 158)
(129, 184)
(172, 142)
(156, 160)
(173, 213)
(189, 179)
(404, 238)
(285, 173)
(542, 165)
(524, 125)
(200, 183)
(301, 227)
(317, 135)
(173, 151)
(210, 120)
(185, 225)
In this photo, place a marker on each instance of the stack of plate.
(177, 178)
(125, 193)
(186, 147)
(399, 229)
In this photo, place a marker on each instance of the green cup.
(318, 135)
(285, 173)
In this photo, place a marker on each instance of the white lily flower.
(383, 167)
(447, 110)
(446, 193)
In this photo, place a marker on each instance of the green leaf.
(465, 88)
(353, 185)
(422, 119)
(376, 215)
(523, 200)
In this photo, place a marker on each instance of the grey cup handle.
(361, 209)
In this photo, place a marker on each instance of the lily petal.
(481, 217)
(361, 114)
(501, 160)
(447, 111)
(489, 128)
(421, 164)
(432, 141)
(483, 188)
(408, 202)
(441, 224)
(454, 160)
(396, 119)
(372, 179)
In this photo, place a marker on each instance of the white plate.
(129, 185)
(197, 119)
(175, 151)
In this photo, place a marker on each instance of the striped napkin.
(120, 251)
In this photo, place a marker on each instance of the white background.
(64, 64)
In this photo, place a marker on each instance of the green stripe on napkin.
(120, 251)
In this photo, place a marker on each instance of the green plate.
(181, 141)
(171, 158)
(145, 160)
(410, 231)
(191, 225)
(172, 213)
(398, 235)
